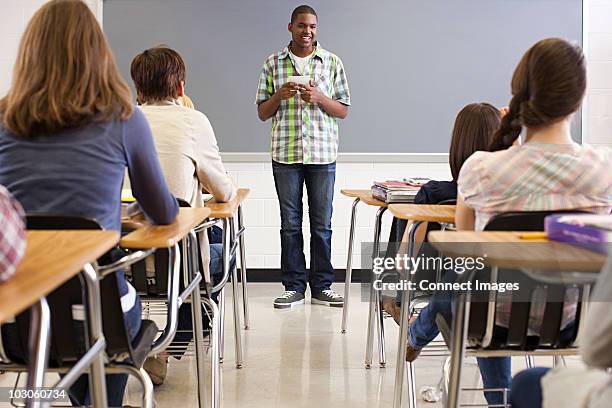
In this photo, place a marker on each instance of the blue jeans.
(527, 388)
(496, 372)
(289, 180)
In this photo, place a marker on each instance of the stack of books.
(591, 231)
(397, 191)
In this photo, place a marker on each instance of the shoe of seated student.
(327, 297)
(411, 352)
(390, 306)
(289, 299)
(157, 368)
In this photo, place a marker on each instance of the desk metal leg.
(375, 305)
(349, 268)
(228, 226)
(97, 381)
(400, 364)
(190, 269)
(243, 270)
(38, 344)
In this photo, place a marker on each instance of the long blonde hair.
(65, 74)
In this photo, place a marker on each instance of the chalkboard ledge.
(234, 157)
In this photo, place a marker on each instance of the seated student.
(473, 131)
(68, 131)
(189, 157)
(12, 235)
(548, 172)
(587, 387)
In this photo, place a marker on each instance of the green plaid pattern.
(302, 132)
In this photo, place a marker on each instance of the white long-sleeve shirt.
(189, 157)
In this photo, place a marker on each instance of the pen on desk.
(533, 235)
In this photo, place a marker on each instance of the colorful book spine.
(569, 228)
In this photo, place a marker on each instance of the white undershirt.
(301, 62)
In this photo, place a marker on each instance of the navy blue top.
(433, 192)
(79, 171)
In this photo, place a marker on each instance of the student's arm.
(268, 99)
(596, 341)
(146, 178)
(267, 109)
(209, 167)
(464, 216)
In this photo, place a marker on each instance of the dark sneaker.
(288, 299)
(328, 298)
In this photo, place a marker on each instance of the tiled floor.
(298, 358)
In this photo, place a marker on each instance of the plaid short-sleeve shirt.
(12, 235)
(303, 132)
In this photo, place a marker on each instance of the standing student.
(304, 146)
(189, 157)
(68, 131)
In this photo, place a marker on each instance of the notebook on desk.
(397, 191)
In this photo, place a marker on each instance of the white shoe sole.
(316, 301)
(288, 305)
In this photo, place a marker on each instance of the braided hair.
(547, 86)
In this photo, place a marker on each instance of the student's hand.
(288, 90)
(311, 94)
(504, 111)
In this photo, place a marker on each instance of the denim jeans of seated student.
(79, 391)
(496, 372)
(184, 332)
(289, 180)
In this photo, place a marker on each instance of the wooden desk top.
(365, 196)
(423, 212)
(507, 250)
(229, 209)
(51, 259)
(165, 236)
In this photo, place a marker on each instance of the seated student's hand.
(288, 90)
(504, 111)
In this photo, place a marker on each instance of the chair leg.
(349, 268)
(529, 361)
(243, 271)
(378, 298)
(221, 325)
(411, 379)
(370, 332)
(214, 354)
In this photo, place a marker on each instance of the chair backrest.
(66, 302)
(516, 336)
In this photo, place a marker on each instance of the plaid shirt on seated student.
(12, 234)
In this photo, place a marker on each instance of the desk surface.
(424, 212)
(51, 259)
(229, 209)
(165, 236)
(507, 250)
(365, 196)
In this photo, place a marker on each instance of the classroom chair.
(67, 347)
(487, 340)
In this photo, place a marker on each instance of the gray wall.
(411, 64)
